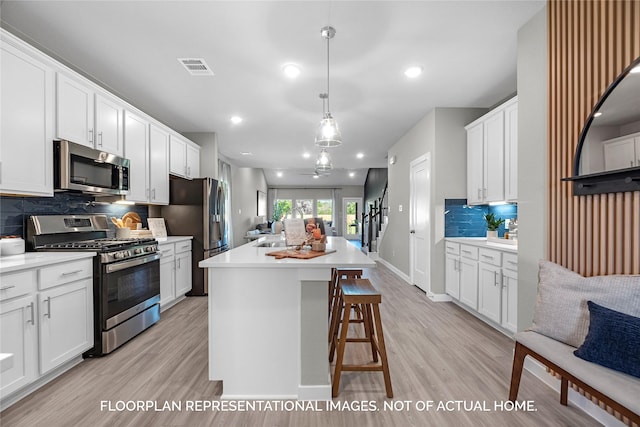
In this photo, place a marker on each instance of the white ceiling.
(466, 48)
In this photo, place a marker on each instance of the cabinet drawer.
(489, 256)
(510, 261)
(470, 252)
(166, 251)
(16, 284)
(452, 248)
(67, 272)
(183, 246)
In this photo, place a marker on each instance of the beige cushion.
(561, 308)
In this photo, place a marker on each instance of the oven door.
(129, 287)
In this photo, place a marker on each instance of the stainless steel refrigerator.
(197, 208)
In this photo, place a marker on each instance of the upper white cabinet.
(622, 153)
(184, 157)
(158, 165)
(492, 155)
(27, 119)
(87, 117)
(136, 138)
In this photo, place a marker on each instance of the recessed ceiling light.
(352, 174)
(279, 174)
(360, 155)
(598, 114)
(246, 153)
(236, 120)
(413, 72)
(306, 155)
(291, 70)
(316, 176)
(635, 69)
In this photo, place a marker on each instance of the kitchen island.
(268, 320)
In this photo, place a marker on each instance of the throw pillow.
(613, 340)
(561, 307)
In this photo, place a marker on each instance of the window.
(324, 210)
(304, 209)
(282, 209)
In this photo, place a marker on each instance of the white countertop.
(37, 259)
(172, 239)
(249, 255)
(483, 243)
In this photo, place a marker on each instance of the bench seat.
(618, 390)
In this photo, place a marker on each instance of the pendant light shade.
(323, 163)
(328, 133)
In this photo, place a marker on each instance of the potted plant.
(492, 224)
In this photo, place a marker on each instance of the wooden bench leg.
(383, 351)
(564, 389)
(516, 373)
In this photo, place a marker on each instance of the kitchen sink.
(271, 245)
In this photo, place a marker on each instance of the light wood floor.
(437, 352)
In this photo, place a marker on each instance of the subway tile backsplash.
(15, 211)
(462, 220)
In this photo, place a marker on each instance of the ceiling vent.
(196, 66)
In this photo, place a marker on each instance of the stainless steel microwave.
(80, 168)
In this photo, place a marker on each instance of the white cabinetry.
(87, 117)
(47, 320)
(489, 139)
(184, 157)
(27, 119)
(147, 148)
(622, 153)
(484, 281)
(175, 271)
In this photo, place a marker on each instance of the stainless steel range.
(126, 273)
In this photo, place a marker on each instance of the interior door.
(419, 221)
(351, 214)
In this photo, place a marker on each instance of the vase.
(276, 227)
(492, 233)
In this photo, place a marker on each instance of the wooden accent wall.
(590, 43)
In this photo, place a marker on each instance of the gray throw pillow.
(561, 309)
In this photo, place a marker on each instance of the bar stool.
(336, 305)
(361, 292)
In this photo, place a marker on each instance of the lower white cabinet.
(485, 281)
(175, 272)
(46, 320)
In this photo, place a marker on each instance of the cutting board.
(292, 253)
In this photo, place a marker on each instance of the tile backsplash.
(15, 211)
(462, 220)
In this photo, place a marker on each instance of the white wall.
(245, 183)
(441, 132)
(532, 161)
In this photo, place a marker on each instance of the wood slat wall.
(590, 44)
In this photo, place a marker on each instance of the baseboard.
(395, 270)
(574, 398)
(316, 392)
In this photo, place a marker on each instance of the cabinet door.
(490, 291)
(108, 125)
(511, 153)
(637, 150)
(619, 154)
(74, 107)
(475, 160)
(177, 156)
(193, 162)
(452, 276)
(66, 323)
(26, 123)
(183, 273)
(167, 280)
(18, 337)
(469, 283)
(136, 139)
(493, 190)
(158, 165)
(510, 300)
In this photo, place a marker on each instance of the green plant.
(280, 209)
(492, 222)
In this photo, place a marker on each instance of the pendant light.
(328, 134)
(323, 163)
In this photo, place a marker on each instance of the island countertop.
(252, 255)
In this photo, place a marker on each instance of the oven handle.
(111, 268)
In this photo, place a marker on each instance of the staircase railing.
(372, 221)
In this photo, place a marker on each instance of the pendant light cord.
(328, 108)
